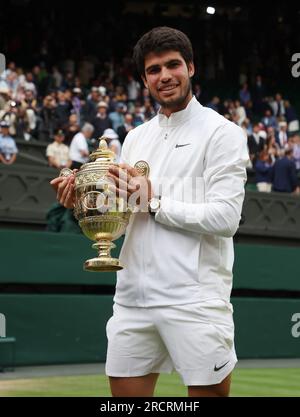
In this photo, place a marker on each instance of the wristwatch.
(154, 205)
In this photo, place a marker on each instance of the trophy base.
(102, 265)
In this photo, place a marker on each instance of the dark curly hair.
(162, 39)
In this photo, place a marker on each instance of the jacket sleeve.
(224, 183)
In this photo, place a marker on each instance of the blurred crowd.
(71, 110)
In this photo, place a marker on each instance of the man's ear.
(191, 69)
(144, 81)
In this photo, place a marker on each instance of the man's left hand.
(131, 186)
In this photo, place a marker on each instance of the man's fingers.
(56, 181)
(120, 173)
(132, 171)
(70, 199)
(66, 195)
(63, 185)
(120, 183)
(123, 170)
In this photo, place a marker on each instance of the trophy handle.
(65, 172)
(143, 168)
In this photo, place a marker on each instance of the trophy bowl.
(102, 217)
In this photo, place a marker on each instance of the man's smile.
(169, 87)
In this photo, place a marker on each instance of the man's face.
(87, 134)
(102, 111)
(167, 76)
(59, 138)
(4, 131)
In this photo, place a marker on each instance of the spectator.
(29, 101)
(244, 94)
(101, 121)
(8, 114)
(57, 152)
(76, 101)
(277, 106)
(89, 109)
(29, 83)
(283, 173)
(71, 129)
(214, 104)
(125, 128)
(113, 143)
(138, 115)
(63, 109)
(272, 146)
(148, 110)
(133, 89)
(197, 90)
(240, 113)
(117, 117)
(8, 148)
(57, 77)
(263, 168)
(47, 119)
(255, 143)
(4, 97)
(269, 120)
(291, 117)
(21, 124)
(282, 136)
(79, 150)
(296, 152)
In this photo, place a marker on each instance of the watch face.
(154, 204)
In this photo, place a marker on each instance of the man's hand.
(64, 187)
(131, 186)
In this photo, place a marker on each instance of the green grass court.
(245, 382)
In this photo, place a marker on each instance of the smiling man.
(172, 305)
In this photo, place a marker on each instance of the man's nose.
(165, 74)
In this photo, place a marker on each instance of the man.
(57, 152)
(101, 121)
(8, 148)
(256, 143)
(282, 135)
(89, 110)
(172, 307)
(113, 143)
(123, 130)
(117, 117)
(283, 174)
(79, 150)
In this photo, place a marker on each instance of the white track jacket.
(184, 254)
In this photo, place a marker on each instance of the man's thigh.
(142, 386)
(200, 341)
(135, 348)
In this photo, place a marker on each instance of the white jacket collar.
(181, 116)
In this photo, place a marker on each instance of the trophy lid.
(103, 151)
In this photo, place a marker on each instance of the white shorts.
(194, 339)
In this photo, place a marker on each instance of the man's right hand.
(64, 187)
